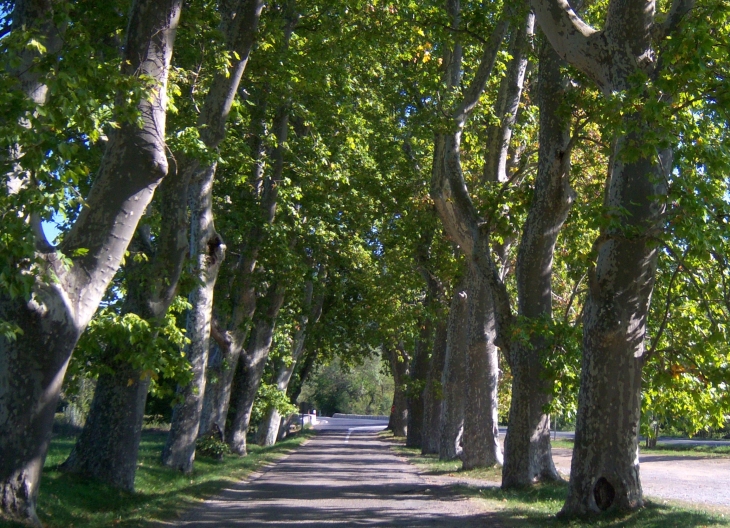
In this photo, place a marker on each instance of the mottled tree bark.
(32, 367)
(454, 374)
(418, 372)
(207, 251)
(449, 193)
(268, 429)
(605, 465)
(222, 365)
(108, 444)
(433, 392)
(528, 455)
(265, 191)
(481, 427)
(508, 103)
(398, 422)
(107, 448)
(254, 360)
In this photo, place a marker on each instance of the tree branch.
(574, 40)
(486, 65)
(665, 319)
(692, 278)
(679, 9)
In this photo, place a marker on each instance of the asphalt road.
(345, 476)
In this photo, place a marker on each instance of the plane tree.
(61, 287)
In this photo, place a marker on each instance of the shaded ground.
(345, 476)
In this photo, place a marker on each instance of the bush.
(211, 444)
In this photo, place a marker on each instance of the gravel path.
(344, 477)
(691, 479)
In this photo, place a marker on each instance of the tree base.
(17, 501)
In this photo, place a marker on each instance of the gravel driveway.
(691, 479)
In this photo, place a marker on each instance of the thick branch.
(134, 163)
(679, 9)
(508, 101)
(574, 40)
(239, 27)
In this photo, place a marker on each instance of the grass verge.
(537, 506)
(431, 465)
(68, 501)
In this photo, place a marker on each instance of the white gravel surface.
(691, 479)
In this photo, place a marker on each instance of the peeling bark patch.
(604, 494)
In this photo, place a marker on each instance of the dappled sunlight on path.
(332, 482)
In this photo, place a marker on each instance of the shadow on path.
(339, 478)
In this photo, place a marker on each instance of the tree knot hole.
(604, 494)
(214, 245)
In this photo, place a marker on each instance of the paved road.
(344, 476)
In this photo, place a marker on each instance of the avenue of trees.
(518, 210)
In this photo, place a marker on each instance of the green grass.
(431, 465)
(705, 451)
(68, 501)
(537, 506)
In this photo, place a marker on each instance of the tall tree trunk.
(217, 397)
(605, 466)
(108, 444)
(208, 252)
(455, 208)
(268, 430)
(433, 392)
(418, 372)
(528, 455)
(254, 360)
(265, 189)
(481, 427)
(398, 422)
(452, 380)
(239, 27)
(107, 448)
(302, 373)
(32, 366)
(222, 364)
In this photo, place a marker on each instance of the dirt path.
(345, 477)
